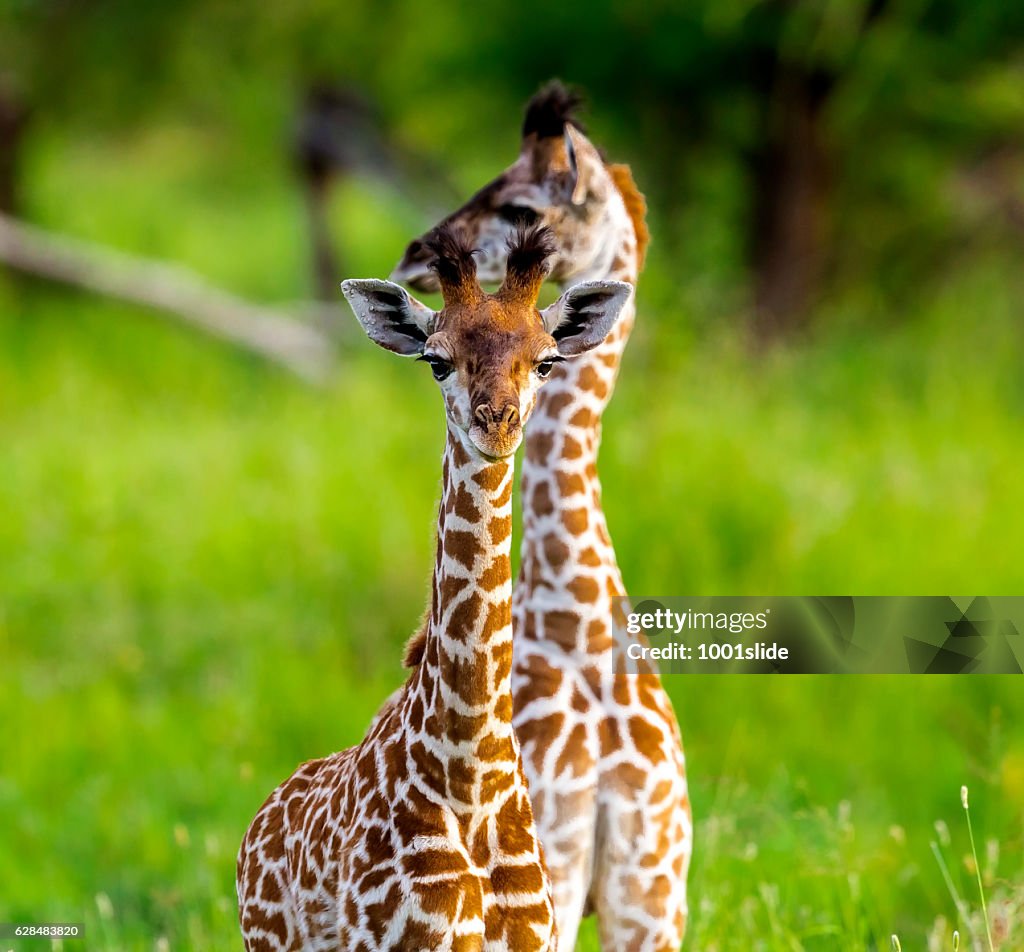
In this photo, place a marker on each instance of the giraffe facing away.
(602, 752)
(422, 836)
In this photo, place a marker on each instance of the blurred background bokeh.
(210, 555)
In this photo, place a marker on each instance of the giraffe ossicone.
(422, 836)
(602, 753)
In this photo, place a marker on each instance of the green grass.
(208, 570)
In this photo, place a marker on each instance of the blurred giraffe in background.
(339, 133)
(602, 752)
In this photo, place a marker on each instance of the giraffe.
(602, 752)
(422, 836)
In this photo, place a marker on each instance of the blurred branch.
(171, 289)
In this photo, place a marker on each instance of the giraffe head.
(560, 181)
(489, 353)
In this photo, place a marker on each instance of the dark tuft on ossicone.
(453, 256)
(550, 109)
(529, 248)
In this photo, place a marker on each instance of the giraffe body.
(422, 837)
(602, 752)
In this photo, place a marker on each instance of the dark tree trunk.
(327, 272)
(13, 124)
(792, 202)
(791, 234)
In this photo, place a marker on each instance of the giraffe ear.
(390, 316)
(578, 149)
(585, 314)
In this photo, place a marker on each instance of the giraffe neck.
(568, 562)
(461, 698)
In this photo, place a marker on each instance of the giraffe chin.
(495, 447)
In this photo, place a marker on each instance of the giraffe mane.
(551, 107)
(416, 647)
(636, 207)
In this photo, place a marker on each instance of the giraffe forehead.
(493, 329)
(518, 181)
(548, 187)
(521, 177)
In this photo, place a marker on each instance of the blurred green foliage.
(918, 93)
(207, 570)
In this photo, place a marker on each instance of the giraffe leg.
(568, 891)
(567, 833)
(644, 845)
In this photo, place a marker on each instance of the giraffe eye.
(440, 367)
(544, 367)
(518, 214)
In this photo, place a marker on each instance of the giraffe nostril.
(490, 418)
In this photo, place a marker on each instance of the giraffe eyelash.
(543, 367)
(440, 367)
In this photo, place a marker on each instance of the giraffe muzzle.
(496, 431)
